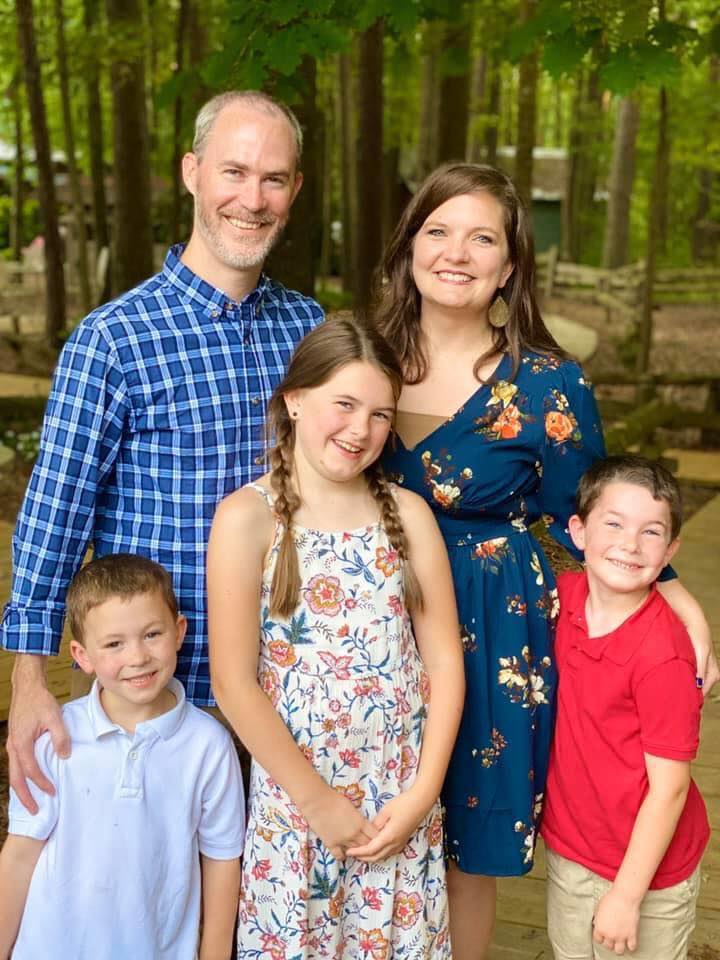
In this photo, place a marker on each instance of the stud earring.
(498, 314)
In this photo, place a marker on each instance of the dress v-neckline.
(485, 385)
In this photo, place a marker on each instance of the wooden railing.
(621, 290)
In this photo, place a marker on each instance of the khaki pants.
(667, 917)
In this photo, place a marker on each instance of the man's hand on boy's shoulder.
(616, 920)
(33, 710)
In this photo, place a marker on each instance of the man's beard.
(239, 259)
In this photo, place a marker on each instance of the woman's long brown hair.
(397, 309)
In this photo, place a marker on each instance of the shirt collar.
(620, 644)
(204, 295)
(164, 726)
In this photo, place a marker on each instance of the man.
(156, 409)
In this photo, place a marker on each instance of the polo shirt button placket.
(131, 784)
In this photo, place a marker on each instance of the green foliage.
(632, 47)
(31, 220)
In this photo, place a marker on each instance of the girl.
(343, 853)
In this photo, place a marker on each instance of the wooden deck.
(520, 933)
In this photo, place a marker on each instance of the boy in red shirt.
(624, 824)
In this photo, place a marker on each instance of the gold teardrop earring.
(498, 314)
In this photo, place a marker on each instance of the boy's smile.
(625, 538)
(131, 645)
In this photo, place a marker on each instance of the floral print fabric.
(512, 454)
(345, 675)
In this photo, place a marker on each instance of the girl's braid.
(286, 578)
(390, 516)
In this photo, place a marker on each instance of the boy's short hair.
(630, 468)
(115, 575)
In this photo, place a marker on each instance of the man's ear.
(189, 171)
(80, 656)
(576, 529)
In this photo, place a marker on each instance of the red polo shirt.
(620, 696)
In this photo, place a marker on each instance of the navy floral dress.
(512, 454)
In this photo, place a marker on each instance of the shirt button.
(258, 461)
(133, 754)
(215, 314)
(255, 401)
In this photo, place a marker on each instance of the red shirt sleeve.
(668, 704)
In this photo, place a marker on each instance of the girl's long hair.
(325, 350)
(397, 308)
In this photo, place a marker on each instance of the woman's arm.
(239, 541)
(687, 609)
(437, 633)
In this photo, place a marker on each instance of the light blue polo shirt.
(119, 876)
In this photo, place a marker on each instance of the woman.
(495, 427)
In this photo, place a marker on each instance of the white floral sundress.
(345, 675)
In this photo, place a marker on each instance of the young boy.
(624, 825)
(149, 803)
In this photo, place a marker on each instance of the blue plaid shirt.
(155, 414)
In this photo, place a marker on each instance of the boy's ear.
(576, 529)
(80, 656)
(672, 550)
(181, 627)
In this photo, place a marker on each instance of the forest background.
(618, 99)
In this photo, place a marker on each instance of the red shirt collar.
(621, 643)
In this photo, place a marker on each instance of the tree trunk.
(493, 109)
(17, 220)
(133, 247)
(325, 186)
(395, 192)
(80, 244)
(149, 19)
(592, 133)
(370, 150)
(346, 114)
(655, 215)
(569, 229)
(198, 46)
(477, 108)
(54, 278)
(616, 247)
(95, 146)
(585, 129)
(706, 177)
(454, 93)
(293, 260)
(527, 100)
(177, 153)
(429, 99)
(557, 114)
